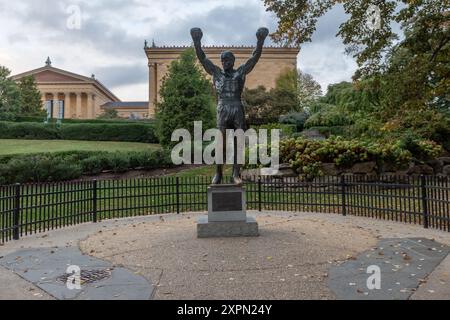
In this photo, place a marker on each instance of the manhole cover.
(88, 276)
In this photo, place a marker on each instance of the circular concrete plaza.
(296, 256)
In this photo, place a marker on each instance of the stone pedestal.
(227, 216)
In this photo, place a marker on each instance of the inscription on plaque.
(227, 201)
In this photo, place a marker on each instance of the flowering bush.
(306, 156)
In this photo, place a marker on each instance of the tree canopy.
(186, 96)
(368, 33)
(9, 96)
(30, 97)
(18, 99)
(293, 93)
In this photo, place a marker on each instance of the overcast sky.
(110, 40)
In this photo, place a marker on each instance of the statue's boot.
(219, 176)
(237, 175)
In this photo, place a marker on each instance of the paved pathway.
(47, 268)
(403, 265)
(298, 256)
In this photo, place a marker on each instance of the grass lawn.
(203, 171)
(13, 146)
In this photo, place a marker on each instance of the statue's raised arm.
(261, 35)
(197, 35)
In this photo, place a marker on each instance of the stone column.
(78, 105)
(153, 88)
(94, 106)
(65, 114)
(91, 105)
(55, 105)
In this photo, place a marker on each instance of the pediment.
(54, 76)
(51, 75)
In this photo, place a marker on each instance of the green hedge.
(11, 130)
(295, 118)
(63, 166)
(109, 121)
(131, 132)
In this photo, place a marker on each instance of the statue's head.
(228, 60)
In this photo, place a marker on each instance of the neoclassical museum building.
(67, 95)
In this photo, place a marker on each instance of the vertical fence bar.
(178, 194)
(424, 202)
(16, 227)
(344, 206)
(259, 194)
(94, 201)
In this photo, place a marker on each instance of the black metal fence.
(32, 208)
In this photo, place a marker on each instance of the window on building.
(49, 108)
(60, 110)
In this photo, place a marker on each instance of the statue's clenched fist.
(262, 34)
(196, 34)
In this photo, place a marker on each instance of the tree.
(284, 97)
(186, 97)
(308, 90)
(368, 32)
(294, 91)
(419, 67)
(350, 97)
(9, 96)
(258, 106)
(287, 81)
(30, 97)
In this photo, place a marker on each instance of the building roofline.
(126, 105)
(222, 47)
(83, 79)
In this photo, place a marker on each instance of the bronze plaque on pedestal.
(224, 202)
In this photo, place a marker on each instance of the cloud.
(111, 39)
(324, 57)
(17, 37)
(122, 75)
(222, 25)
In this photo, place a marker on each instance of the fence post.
(259, 194)
(426, 214)
(344, 204)
(178, 194)
(94, 202)
(16, 213)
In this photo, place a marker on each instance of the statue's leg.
(236, 167)
(219, 170)
(239, 123)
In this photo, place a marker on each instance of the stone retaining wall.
(439, 167)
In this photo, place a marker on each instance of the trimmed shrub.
(64, 166)
(119, 162)
(130, 132)
(11, 130)
(78, 121)
(295, 118)
(93, 165)
(40, 168)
